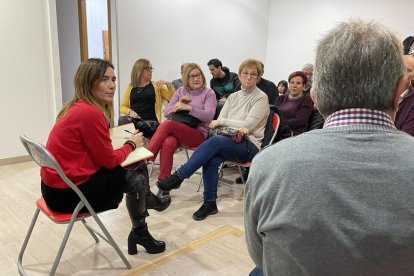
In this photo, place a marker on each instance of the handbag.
(183, 116)
(235, 135)
(147, 127)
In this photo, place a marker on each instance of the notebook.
(119, 136)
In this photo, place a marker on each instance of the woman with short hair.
(296, 106)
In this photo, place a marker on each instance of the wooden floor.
(214, 246)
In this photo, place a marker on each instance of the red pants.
(171, 135)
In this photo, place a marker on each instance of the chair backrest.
(44, 158)
(271, 128)
(316, 120)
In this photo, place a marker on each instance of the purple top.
(203, 103)
(404, 120)
(296, 113)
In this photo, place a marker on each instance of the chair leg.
(90, 230)
(151, 168)
(111, 241)
(26, 241)
(65, 238)
(244, 182)
(241, 175)
(201, 182)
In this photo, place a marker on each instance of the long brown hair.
(136, 71)
(89, 72)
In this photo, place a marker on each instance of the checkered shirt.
(358, 116)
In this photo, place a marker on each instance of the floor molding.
(186, 248)
(14, 160)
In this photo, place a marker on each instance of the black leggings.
(104, 190)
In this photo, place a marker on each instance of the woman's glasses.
(193, 77)
(246, 74)
(149, 68)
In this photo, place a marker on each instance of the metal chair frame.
(44, 158)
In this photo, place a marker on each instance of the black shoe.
(158, 203)
(163, 193)
(144, 238)
(169, 183)
(208, 208)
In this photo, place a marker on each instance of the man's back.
(338, 202)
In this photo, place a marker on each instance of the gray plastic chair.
(45, 159)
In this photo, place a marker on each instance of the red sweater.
(81, 144)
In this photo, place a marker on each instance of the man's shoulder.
(233, 74)
(267, 82)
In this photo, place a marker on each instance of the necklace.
(294, 98)
(140, 88)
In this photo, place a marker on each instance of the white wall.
(27, 82)
(69, 44)
(169, 33)
(296, 26)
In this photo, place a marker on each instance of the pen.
(126, 130)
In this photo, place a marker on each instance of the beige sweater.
(248, 109)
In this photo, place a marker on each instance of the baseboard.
(14, 160)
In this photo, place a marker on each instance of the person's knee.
(170, 143)
(216, 140)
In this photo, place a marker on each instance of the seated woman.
(142, 100)
(200, 102)
(246, 110)
(282, 87)
(81, 143)
(296, 106)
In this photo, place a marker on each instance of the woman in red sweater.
(81, 144)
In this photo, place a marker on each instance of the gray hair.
(358, 64)
(307, 65)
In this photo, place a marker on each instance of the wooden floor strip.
(186, 248)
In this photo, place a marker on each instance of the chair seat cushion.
(57, 217)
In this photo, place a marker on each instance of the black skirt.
(104, 191)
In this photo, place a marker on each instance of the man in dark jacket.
(223, 82)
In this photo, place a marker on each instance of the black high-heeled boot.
(136, 206)
(142, 237)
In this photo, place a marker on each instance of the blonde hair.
(136, 71)
(250, 62)
(188, 67)
(88, 74)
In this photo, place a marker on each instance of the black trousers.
(104, 189)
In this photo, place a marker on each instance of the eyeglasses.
(193, 77)
(246, 74)
(149, 68)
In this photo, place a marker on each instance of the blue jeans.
(210, 154)
(256, 272)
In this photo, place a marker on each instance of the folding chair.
(45, 159)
